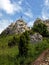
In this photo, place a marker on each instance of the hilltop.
(16, 28)
(20, 26)
(46, 22)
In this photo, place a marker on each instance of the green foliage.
(36, 49)
(12, 42)
(9, 56)
(26, 34)
(31, 32)
(23, 44)
(38, 21)
(40, 28)
(28, 52)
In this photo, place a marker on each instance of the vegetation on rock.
(16, 49)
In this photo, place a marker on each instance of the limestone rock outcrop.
(36, 37)
(17, 27)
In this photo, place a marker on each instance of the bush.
(12, 42)
(23, 44)
(41, 28)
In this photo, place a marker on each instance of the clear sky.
(11, 10)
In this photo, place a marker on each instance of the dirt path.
(43, 59)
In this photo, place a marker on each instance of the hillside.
(25, 48)
(8, 55)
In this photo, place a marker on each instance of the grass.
(8, 56)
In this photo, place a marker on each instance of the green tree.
(40, 28)
(23, 44)
(12, 42)
(26, 33)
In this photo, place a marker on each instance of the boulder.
(36, 37)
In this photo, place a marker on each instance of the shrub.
(41, 28)
(23, 44)
(12, 42)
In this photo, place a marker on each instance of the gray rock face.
(18, 27)
(36, 38)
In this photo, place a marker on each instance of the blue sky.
(11, 10)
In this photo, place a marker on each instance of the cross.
(21, 17)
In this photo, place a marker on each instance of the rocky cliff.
(18, 27)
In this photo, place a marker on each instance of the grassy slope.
(8, 55)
